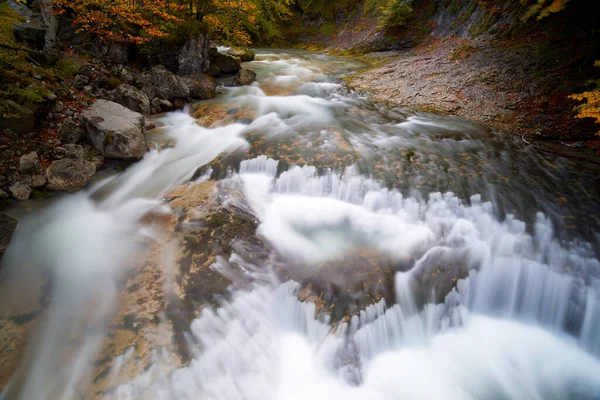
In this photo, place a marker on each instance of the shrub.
(67, 67)
(395, 13)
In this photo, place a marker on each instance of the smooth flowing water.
(308, 243)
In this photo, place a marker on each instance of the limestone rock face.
(132, 98)
(114, 130)
(201, 86)
(69, 175)
(244, 77)
(193, 56)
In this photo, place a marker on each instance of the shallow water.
(392, 254)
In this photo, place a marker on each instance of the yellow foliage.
(591, 107)
(541, 9)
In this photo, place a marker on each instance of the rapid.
(293, 239)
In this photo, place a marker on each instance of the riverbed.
(295, 239)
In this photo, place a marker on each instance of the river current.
(294, 240)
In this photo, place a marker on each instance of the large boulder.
(162, 83)
(30, 163)
(193, 56)
(244, 54)
(114, 130)
(7, 227)
(30, 33)
(19, 118)
(225, 63)
(69, 175)
(201, 86)
(132, 98)
(244, 77)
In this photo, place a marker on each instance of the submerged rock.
(244, 77)
(114, 130)
(244, 54)
(69, 175)
(225, 63)
(132, 98)
(201, 86)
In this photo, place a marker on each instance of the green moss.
(67, 67)
(109, 138)
(113, 82)
(34, 93)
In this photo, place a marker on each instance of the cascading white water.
(484, 308)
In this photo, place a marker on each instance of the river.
(297, 240)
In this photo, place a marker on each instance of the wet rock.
(70, 132)
(21, 119)
(132, 98)
(179, 104)
(244, 54)
(20, 190)
(225, 63)
(149, 124)
(162, 83)
(114, 130)
(7, 227)
(80, 82)
(244, 77)
(193, 56)
(69, 175)
(201, 86)
(30, 163)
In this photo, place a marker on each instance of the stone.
(114, 130)
(244, 77)
(213, 71)
(70, 132)
(20, 190)
(225, 63)
(30, 163)
(132, 98)
(244, 54)
(74, 151)
(149, 125)
(80, 82)
(201, 86)
(23, 120)
(179, 104)
(162, 83)
(166, 105)
(7, 227)
(88, 89)
(38, 181)
(193, 56)
(29, 33)
(69, 175)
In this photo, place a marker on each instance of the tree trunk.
(51, 31)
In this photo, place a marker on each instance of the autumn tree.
(121, 21)
(591, 106)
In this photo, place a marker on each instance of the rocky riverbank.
(500, 84)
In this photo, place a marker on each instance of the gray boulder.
(7, 227)
(30, 163)
(162, 83)
(201, 86)
(225, 63)
(69, 175)
(114, 130)
(193, 56)
(29, 33)
(70, 132)
(244, 77)
(20, 190)
(21, 119)
(132, 98)
(244, 54)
